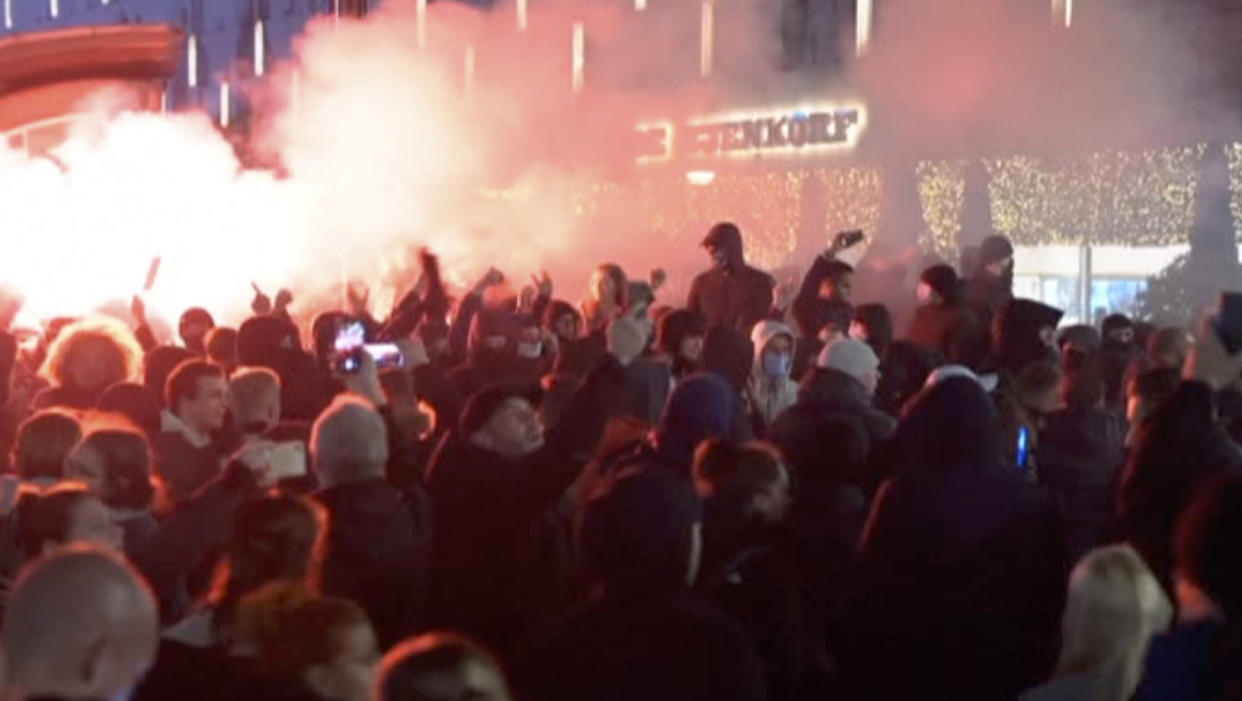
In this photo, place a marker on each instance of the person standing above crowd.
(732, 294)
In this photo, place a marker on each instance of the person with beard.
(492, 479)
(960, 579)
(732, 294)
(1118, 350)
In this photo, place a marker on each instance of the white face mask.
(925, 293)
(529, 350)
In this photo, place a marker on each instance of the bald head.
(349, 442)
(80, 624)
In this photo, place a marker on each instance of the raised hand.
(658, 277)
(491, 278)
(138, 309)
(543, 283)
(261, 305)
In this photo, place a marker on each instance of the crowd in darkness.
(762, 494)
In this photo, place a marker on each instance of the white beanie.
(850, 356)
(945, 372)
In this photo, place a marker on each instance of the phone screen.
(288, 460)
(349, 335)
(386, 355)
(1024, 439)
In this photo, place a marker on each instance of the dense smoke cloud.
(384, 145)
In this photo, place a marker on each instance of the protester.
(986, 551)
(196, 401)
(1114, 608)
(771, 389)
(1145, 392)
(440, 667)
(87, 357)
(193, 328)
(221, 348)
(115, 465)
(1181, 445)
(828, 280)
(79, 624)
(941, 320)
(378, 540)
(135, 403)
(732, 294)
(642, 635)
(1201, 658)
(307, 647)
(681, 337)
(43, 443)
(66, 513)
(990, 285)
(1119, 350)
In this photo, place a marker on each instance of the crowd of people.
(751, 496)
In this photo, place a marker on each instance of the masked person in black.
(731, 294)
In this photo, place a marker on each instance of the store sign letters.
(751, 134)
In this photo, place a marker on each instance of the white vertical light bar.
(225, 104)
(1069, 13)
(523, 14)
(260, 51)
(8, 14)
(191, 61)
(578, 61)
(1063, 13)
(468, 69)
(336, 13)
(420, 19)
(863, 17)
(54, 7)
(707, 38)
(164, 101)
(640, 5)
(104, 2)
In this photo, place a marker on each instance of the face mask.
(720, 259)
(529, 349)
(777, 364)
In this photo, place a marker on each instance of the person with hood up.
(990, 287)
(961, 568)
(771, 390)
(942, 320)
(642, 634)
(272, 342)
(492, 479)
(1118, 350)
(681, 337)
(1022, 333)
(731, 294)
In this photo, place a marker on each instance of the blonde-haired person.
(87, 357)
(1114, 608)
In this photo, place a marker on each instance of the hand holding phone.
(847, 239)
(288, 460)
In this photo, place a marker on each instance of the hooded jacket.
(735, 295)
(961, 572)
(770, 395)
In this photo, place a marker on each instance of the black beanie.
(994, 248)
(943, 279)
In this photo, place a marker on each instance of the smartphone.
(288, 460)
(1228, 322)
(385, 355)
(1024, 446)
(846, 239)
(350, 334)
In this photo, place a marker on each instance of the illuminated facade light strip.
(578, 61)
(523, 16)
(468, 68)
(54, 7)
(707, 38)
(420, 22)
(1063, 13)
(191, 61)
(640, 5)
(225, 104)
(864, 16)
(260, 51)
(8, 14)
